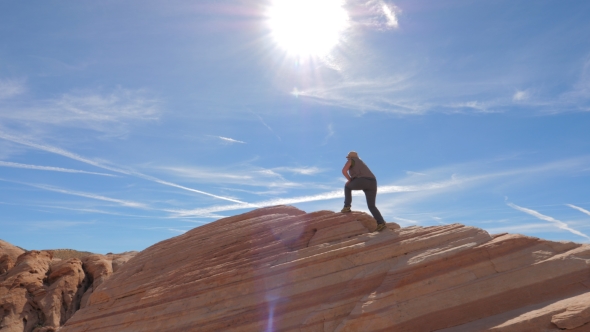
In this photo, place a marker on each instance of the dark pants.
(369, 186)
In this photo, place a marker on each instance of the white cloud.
(88, 210)
(180, 231)
(330, 134)
(376, 94)
(520, 96)
(432, 184)
(558, 223)
(335, 194)
(82, 194)
(299, 170)
(58, 151)
(369, 82)
(119, 105)
(574, 100)
(242, 174)
(579, 209)
(229, 140)
(528, 228)
(11, 88)
(90, 195)
(267, 126)
(206, 174)
(374, 14)
(405, 221)
(59, 224)
(74, 156)
(581, 90)
(390, 14)
(110, 113)
(48, 168)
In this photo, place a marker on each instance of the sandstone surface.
(281, 269)
(40, 293)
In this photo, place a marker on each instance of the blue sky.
(123, 123)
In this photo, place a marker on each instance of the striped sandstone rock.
(281, 269)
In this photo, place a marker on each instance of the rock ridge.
(281, 269)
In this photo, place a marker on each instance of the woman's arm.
(345, 170)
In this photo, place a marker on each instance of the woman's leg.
(348, 194)
(371, 195)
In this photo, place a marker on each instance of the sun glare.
(307, 27)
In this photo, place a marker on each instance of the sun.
(307, 27)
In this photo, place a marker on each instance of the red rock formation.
(99, 268)
(39, 293)
(8, 256)
(280, 269)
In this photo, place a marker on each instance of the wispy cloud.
(81, 194)
(390, 13)
(89, 195)
(374, 14)
(267, 126)
(59, 151)
(11, 88)
(581, 90)
(330, 134)
(58, 224)
(74, 156)
(558, 223)
(422, 189)
(579, 209)
(375, 94)
(228, 140)
(335, 194)
(179, 231)
(206, 174)
(527, 228)
(520, 95)
(109, 113)
(48, 168)
(299, 170)
(241, 174)
(87, 210)
(365, 85)
(231, 140)
(414, 173)
(406, 221)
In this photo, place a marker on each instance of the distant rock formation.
(280, 269)
(39, 292)
(8, 256)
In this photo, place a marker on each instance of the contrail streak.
(82, 194)
(558, 223)
(74, 156)
(48, 168)
(579, 209)
(335, 194)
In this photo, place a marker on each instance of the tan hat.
(352, 154)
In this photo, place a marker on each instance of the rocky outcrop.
(281, 269)
(8, 256)
(99, 268)
(40, 293)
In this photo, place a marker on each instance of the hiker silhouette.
(360, 177)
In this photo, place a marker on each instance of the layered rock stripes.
(281, 269)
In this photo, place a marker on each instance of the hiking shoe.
(380, 227)
(346, 209)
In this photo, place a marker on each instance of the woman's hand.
(345, 170)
